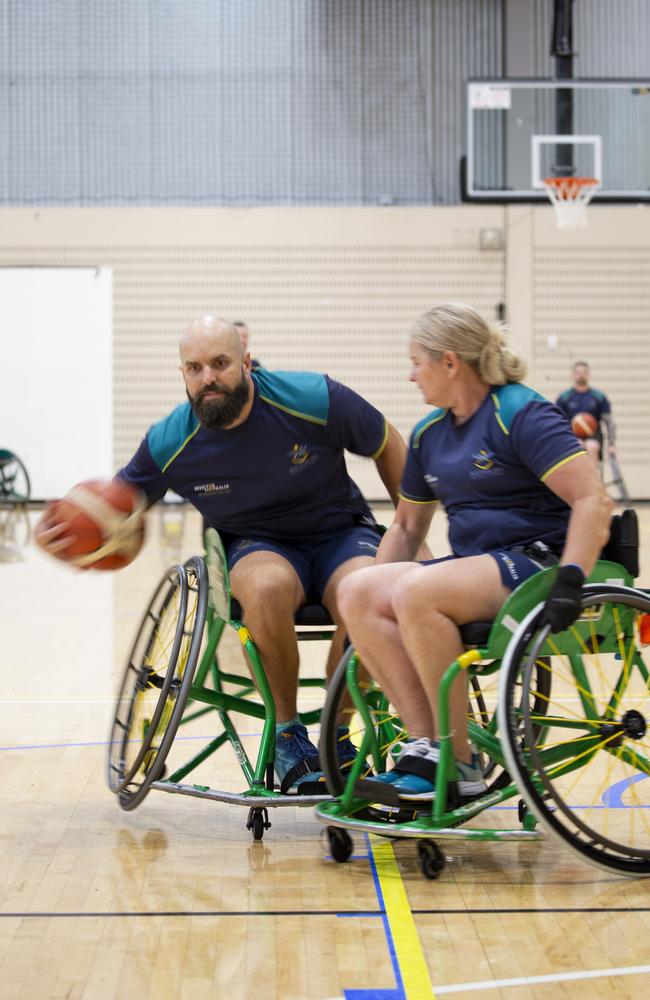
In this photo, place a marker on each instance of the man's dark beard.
(222, 411)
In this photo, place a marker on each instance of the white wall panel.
(56, 374)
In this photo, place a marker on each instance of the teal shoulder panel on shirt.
(168, 437)
(598, 394)
(509, 399)
(303, 394)
(426, 422)
(566, 394)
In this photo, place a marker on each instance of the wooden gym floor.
(174, 899)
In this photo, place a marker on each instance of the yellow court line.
(408, 950)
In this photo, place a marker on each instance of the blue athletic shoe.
(416, 783)
(415, 770)
(405, 753)
(297, 766)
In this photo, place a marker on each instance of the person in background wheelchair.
(261, 456)
(584, 398)
(520, 494)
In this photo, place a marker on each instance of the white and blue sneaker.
(414, 775)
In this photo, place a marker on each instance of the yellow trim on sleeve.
(425, 427)
(420, 502)
(564, 461)
(497, 407)
(383, 443)
(293, 413)
(177, 453)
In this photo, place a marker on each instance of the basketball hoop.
(570, 197)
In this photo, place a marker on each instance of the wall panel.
(584, 294)
(332, 290)
(336, 289)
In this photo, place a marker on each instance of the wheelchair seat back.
(623, 544)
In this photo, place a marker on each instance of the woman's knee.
(365, 593)
(416, 594)
(353, 590)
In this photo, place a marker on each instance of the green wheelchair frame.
(174, 676)
(566, 734)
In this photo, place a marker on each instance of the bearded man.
(260, 454)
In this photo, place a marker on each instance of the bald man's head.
(216, 372)
(207, 330)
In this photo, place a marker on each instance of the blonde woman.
(520, 494)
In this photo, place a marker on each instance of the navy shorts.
(515, 565)
(314, 562)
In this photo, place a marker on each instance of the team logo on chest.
(484, 463)
(483, 459)
(300, 457)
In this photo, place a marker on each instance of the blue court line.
(613, 797)
(389, 994)
(106, 743)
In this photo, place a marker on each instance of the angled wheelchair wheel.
(156, 681)
(14, 480)
(150, 667)
(354, 700)
(580, 750)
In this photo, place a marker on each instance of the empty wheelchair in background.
(15, 489)
(175, 688)
(561, 721)
(15, 486)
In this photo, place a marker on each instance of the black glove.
(564, 603)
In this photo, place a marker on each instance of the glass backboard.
(521, 131)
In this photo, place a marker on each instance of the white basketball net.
(570, 197)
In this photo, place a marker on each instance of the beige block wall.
(584, 294)
(335, 289)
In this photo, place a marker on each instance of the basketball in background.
(104, 521)
(584, 425)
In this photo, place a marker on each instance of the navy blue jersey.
(489, 472)
(281, 474)
(591, 401)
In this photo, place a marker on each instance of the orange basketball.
(584, 425)
(104, 522)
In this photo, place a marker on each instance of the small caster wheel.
(431, 858)
(340, 843)
(527, 819)
(258, 821)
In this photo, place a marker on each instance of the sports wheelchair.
(15, 486)
(174, 677)
(561, 723)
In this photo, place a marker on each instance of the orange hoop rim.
(569, 187)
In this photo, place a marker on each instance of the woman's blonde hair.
(459, 328)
